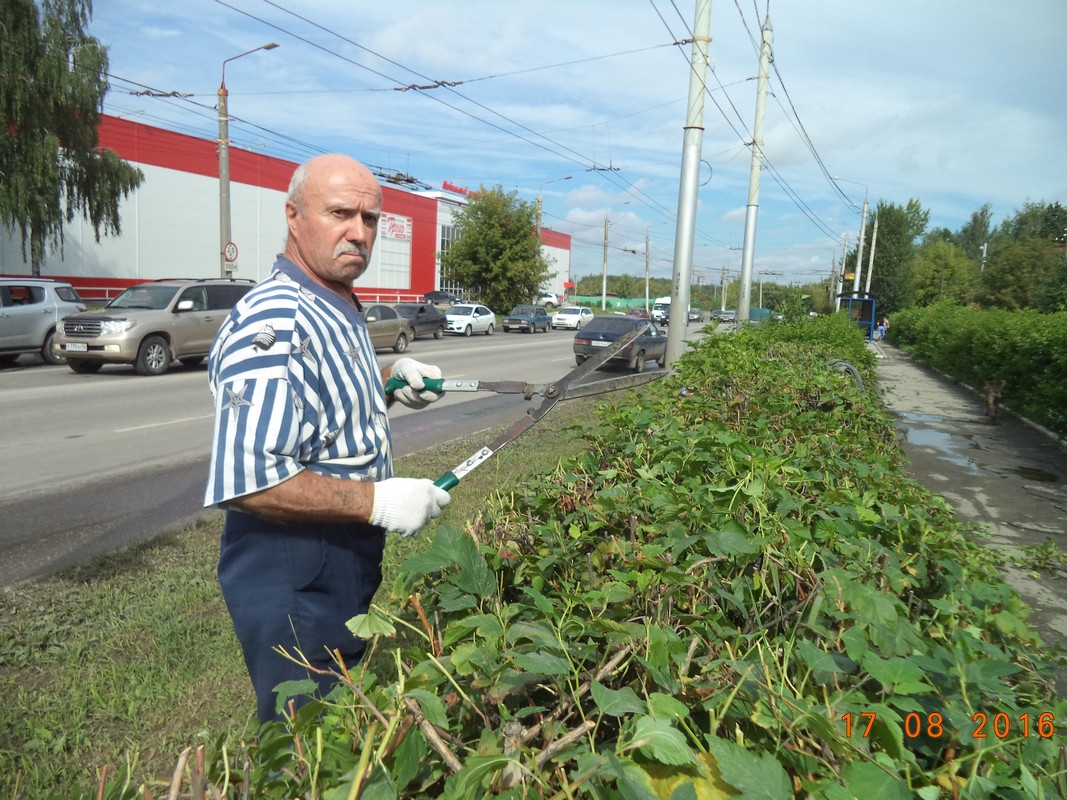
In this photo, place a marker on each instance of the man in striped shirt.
(301, 459)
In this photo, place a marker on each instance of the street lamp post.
(540, 199)
(227, 249)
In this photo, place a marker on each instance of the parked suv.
(150, 325)
(30, 309)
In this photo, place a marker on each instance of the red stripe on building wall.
(143, 144)
(551, 238)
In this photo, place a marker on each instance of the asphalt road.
(94, 463)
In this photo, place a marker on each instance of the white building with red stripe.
(170, 224)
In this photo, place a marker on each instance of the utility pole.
(647, 251)
(724, 268)
(689, 183)
(604, 277)
(744, 300)
(870, 260)
(859, 250)
(841, 275)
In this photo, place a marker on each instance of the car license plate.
(600, 344)
(76, 347)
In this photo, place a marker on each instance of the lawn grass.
(132, 657)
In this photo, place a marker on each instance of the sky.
(954, 103)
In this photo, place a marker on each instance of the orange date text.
(996, 725)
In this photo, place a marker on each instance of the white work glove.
(415, 394)
(405, 505)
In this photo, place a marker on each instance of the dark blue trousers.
(296, 586)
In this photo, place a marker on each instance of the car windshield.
(569, 311)
(156, 297)
(524, 310)
(462, 311)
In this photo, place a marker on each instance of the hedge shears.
(566, 388)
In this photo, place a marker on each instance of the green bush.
(1024, 348)
(733, 592)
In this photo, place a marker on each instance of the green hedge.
(734, 591)
(1026, 349)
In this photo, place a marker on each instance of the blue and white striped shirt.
(297, 386)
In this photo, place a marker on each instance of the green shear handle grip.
(435, 385)
(447, 481)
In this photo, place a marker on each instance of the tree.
(52, 86)
(496, 255)
(942, 271)
(899, 228)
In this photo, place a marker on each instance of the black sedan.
(603, 331)
(423, 318)
(442, 298)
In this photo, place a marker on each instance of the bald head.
(332, 211)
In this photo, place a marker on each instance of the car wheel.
(578, 325)
(401, 343)
(579, 360)
(153, 357)
(83, 367)
(506, 329)
(49, 352)
(191, 361)
(439, 333)
(489, 330)
(468, 331)
(639, 362)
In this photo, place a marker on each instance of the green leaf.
(897, 675)
(756, 776)
(663, 706)
(617, 703)
(659, 740)
(544, 663)
(865, 779)
(371, 624)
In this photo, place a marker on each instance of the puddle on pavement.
(911, 416)
(942, 442)
(1034, 474)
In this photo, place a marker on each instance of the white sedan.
(573, 317)
(469, 319)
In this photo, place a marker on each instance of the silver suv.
(150, 325)
(30, 309)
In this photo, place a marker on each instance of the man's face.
(333, 233)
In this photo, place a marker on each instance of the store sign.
(448, 186)
(394, 227)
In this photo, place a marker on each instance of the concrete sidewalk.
(1009, 477)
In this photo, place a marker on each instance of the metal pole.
(604, 277)
(870, 260)
(226, 265)
(646, 272)
(224, 180)
(859, 250)
(689, 183)
(744, 300)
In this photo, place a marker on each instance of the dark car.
(603, 331)
(527, 318)
(423, 318)
(442, 298)
(695, 315)
(387, 328)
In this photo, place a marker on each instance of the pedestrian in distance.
(301, 458)
(883, 327)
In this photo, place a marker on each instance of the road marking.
(161, 424)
